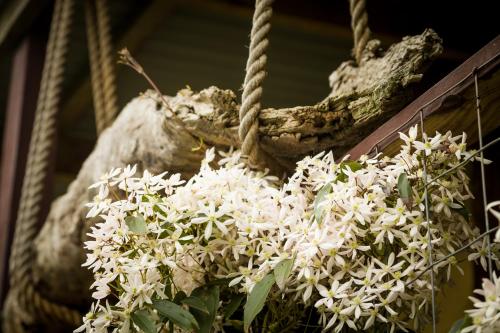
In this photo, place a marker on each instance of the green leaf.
(176, 314)
(210, 296)
(196, 303)
(282, 272)
(457, 326)
(234, 304)
(136, 224)
(257, 299)
(404, 188)
(320, 197)
(460, 324)
(142, 319)
(353, 165)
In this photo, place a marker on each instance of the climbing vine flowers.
(338, 246)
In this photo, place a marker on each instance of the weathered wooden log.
(362, 97)
(161, 137)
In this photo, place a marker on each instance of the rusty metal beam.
(26, 72)
(450, 94)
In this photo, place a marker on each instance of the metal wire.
(426, 182)
(465, 161)
(478, 238)
(429, 234)
(483, 176)
(463, 248)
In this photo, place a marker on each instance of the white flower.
(412, 135)
(100, 204)
(481, 253)
(458, 149)
(428, 145)
(210, 216)
(336, 291)
(106, 177)
(87, 320)
(359, 304)
(357, 266)
(102, 287)
(495, 213)
(310, 283)
(486, 313)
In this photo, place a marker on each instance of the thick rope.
(107, 63)
(37, 167)
(255, 74)
(95, 72)
(359, 25)
(20, 248)
(101, 63)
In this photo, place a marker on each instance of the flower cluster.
(347, 240)
(486, 313)
(363, 250)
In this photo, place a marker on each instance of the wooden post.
(26, 72)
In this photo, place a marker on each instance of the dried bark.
(159, 137)
(362, 97)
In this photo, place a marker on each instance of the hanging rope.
(107, 63)
(37, 167)
(101, 63)
(359, 25)
(255, 74)
(44, 128)
(95, 72)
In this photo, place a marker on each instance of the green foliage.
(404, 188)
(137, 224)
(234, 303)
(176, 314)
(209, 295)
(196, 303)
(256, 300)
(460, 324)
(320, 197)
(282, 272)
(142, 319)
(353, 165)
(327, 189)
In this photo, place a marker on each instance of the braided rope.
(101, 63)
(359, 25)
(254, 77)
(95, 72)
(107, 64)
(20, 249)
(37, 165)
